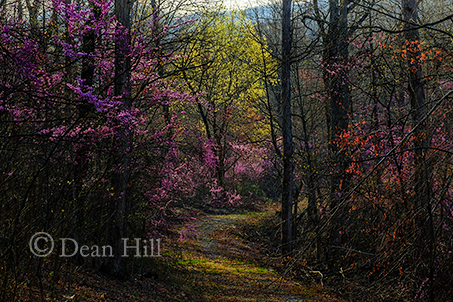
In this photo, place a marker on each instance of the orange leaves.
(413, 50)
(253, 114)
(353, 208)
(423, 56)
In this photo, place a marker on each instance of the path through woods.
(221, 263)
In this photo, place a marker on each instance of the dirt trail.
(220, 263)
(211, 227)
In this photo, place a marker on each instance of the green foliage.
(225, 64)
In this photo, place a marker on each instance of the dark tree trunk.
(338, 86)
(287, 189)
(220, 152)
(84, 108)
(336, 81)
(422, 180)
(120, 181)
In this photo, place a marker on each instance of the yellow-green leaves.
(225, 62)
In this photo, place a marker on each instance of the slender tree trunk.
(336, 81)
(120, 181)
(220, 152)
(422, 180)
(339, 94)
(416, 85)
(84, 108)
(288, 178)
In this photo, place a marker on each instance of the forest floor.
(218, 265)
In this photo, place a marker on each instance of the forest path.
(219, 265)
(222, 265)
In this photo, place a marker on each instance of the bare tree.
(116, 265)
(422, 181)
(288, 166)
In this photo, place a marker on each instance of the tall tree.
(422, 180)
(416, 84)
(122, 89)
(337, 82)
(335, 56)
(288, 166)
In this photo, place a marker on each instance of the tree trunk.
(84, 108)
(422, 180)
(336, 81)
(116, 265)
(287, 189)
